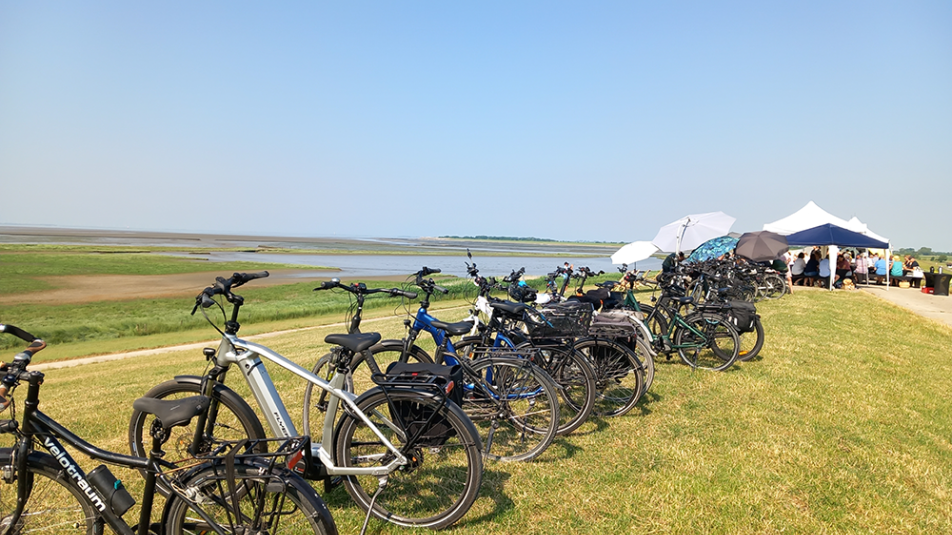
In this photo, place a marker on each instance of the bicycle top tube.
(246, 355)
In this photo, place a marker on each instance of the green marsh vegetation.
(843, 425)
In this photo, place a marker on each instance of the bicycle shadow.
(492, 488)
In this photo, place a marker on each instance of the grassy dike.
(843, 425)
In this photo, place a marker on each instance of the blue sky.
(566, 120)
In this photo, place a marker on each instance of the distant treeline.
(512, 238)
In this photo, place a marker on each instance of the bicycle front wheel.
(707, 342)
(275, 501)
(514, 406)
(442, 480)
(53, 506)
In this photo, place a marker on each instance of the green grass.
(842, 425)
(21, 271)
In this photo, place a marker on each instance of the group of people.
(859, 268)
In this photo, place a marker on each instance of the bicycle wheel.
(269, 501)
(619, 375)
(751, 343)
(575, 378)
(707, 342)
(358, 380)
(442, 480)
(514, 406)
(774, 286)
(229, 418)
(54, 505)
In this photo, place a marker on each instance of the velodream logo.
(74, 473)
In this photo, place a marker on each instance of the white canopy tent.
(811, 216)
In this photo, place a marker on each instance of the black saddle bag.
(743, 316)
(433, 378)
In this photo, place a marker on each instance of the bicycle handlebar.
(359, 288)
(224, 286)
(20, 361)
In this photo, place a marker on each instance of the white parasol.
(635, 251)
(691, 231)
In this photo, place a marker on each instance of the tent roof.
(809, 216)
(834, 235)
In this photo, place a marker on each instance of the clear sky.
(565, 120)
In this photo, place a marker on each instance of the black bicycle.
(228, 490)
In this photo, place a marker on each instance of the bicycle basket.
(565, 320)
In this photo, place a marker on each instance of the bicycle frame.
(37, 424)
(248, 357)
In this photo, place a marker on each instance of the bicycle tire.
(715, 348)
(514, 405)
(442, 481)
(263, 503)
(776, 286)
(574, 376)
(619, 375)
(54, 502)
(751, 343)
(238, 422)
(384, 353)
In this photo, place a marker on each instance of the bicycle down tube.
(246, 355)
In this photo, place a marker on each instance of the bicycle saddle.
(607, 284)
(354, 342)
(454, 329)
(684, 300)
(172, 412)
(509, 307)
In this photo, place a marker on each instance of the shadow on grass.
(492, 488)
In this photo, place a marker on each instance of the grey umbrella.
(761, 246)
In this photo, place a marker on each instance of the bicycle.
(226, 491)
(510, 400)
(403, 437)
(704, 339)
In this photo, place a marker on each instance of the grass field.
(842, 426)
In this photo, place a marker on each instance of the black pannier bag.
(426, 377)
(743, 316)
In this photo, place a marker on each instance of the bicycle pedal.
(332, 483)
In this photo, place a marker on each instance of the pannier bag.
(415, 416)
(743, 316)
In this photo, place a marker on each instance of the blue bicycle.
(512, 402)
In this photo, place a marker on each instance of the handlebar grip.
(18, 332)
(440, 289)
(258, 275)
(428, 271)
(395, 292)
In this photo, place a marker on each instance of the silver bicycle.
(405, 452)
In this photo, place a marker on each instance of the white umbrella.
(635, 251)
(691, 231)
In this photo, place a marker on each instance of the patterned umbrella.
(713, 248)
(762, 246)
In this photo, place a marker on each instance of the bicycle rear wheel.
(751, 343)
(269, 501)
(442, 480)
(357, 381)
(54, 505)
(514, 406)
(619, 375)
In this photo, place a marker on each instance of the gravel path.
(936, 307)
